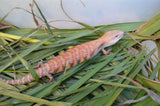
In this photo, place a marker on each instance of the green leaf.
(24, 53)
(148, 82)
(28, 98)
(82, 94)
(155, 70)
(90, 74)
(43, 18)
(152, 26)
(114, 94)
(29, 67)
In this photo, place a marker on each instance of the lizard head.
(111, 37)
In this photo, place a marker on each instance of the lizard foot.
(39, 64)
(50, 78)
(106, 52)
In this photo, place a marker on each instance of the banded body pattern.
(72, 57)
(68, 59)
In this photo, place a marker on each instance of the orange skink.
(71, 57)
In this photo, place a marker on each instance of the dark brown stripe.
(83, 53)
(71, 59)
(56, 70)
(79, 54)
(78, 61)
(71, 64)
(89, 50)
(76, 55)
(64, 66)
(101, 46)
(85, 48)
(92, 53)
(55, 65)
(62, 60)
(51, 64)
(85, 58)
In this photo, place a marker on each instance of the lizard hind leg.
(50, 78)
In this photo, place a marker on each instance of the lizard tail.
(28, 78)
(23, 80)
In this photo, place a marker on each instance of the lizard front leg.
(106, 52)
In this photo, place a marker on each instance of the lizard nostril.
(124, 33)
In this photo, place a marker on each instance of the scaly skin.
(72, 57)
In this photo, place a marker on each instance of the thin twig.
(61, 4)
(128, 102)
(82, 3)
(134, 39)
(44, 19)
(33, 15)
